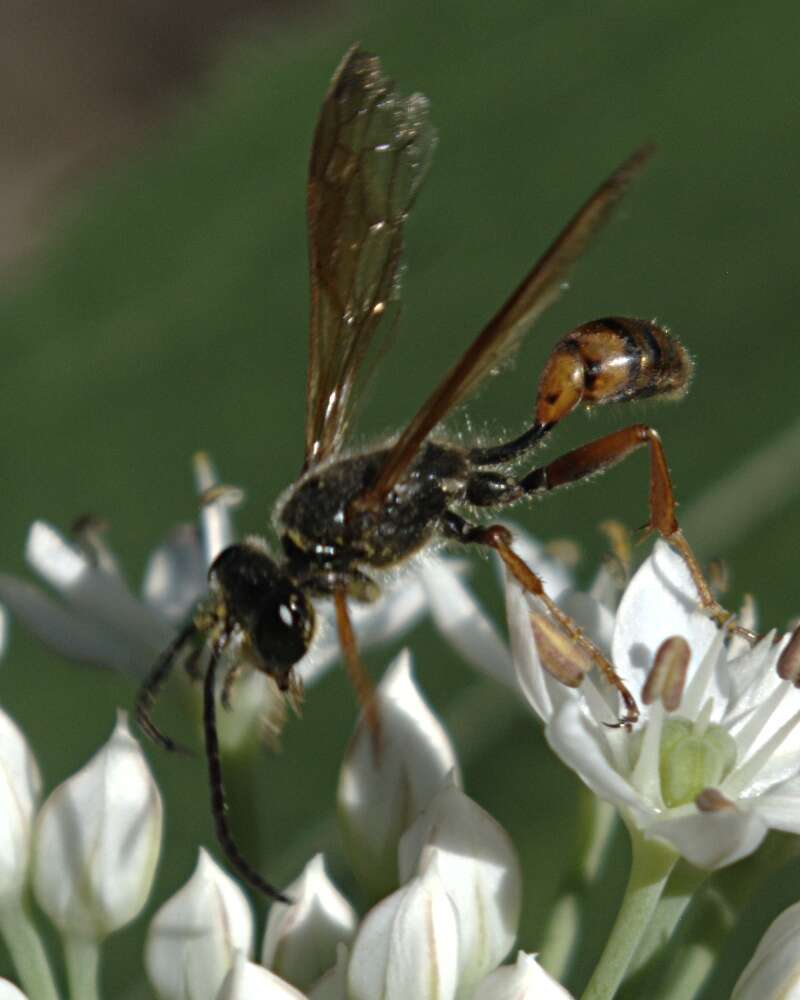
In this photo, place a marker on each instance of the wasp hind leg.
(499, 538)
(607, 451)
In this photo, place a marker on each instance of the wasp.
(350, 516)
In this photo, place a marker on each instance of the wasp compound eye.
(283, 630)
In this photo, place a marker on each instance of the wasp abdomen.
(611, 360)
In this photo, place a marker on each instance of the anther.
(560, 655)
(712, 800)
(789, 660)
(667, 676)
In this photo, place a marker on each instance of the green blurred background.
(165, 310)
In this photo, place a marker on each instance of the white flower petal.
(175, 577)
(779, 808)
(380, 797)
(712, 839)
(8, 991)
(481, 874)
(660, 601)
(248, 981)
(525, 980)
(464, 623)
(301, 937)
(192, 940)
(71, 636)
(773, 973)
(215, 518)
(97, 841)
(94, 593)
(3, 630)
(20, 787)
(580, 743)
(541, 690)
(333, 984)
(407, 945)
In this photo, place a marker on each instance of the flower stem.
(27, 952)
(83, 965)
(682, 888)
(651, 864)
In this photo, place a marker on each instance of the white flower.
(301, 937)
(481, 874)
(8, 991)
(773, 973)
(408, 945)
(192, 940)
(97, 841)
(526, 980)
(248, 981)
(381, 794)
(333, 984)
(714, 761)
(20, 787)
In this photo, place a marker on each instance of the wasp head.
(269, 606)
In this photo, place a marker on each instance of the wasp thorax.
(265, 602)
(611, 360)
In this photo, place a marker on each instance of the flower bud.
(381, 794)
(480, 871)
(20, 785)
(8, 991)
(773, 973)
(248, 981)
(193, 938)
(526, 980)
(407, 945)
(301, 938)
(97, 841)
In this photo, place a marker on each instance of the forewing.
(370, 153)
(501, 336)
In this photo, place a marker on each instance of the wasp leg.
(356, 671)
(607, 451)
(219, 804)
(498, 537)
(151, 688)
(232, 675)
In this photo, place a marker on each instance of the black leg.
(219, 805)
(151, 688)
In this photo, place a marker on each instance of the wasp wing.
(499, 338)
(370, 153)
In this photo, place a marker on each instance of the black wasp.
(351, 515)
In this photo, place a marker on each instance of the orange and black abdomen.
(611, 360)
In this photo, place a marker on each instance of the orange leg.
(607, 451)
(356, 671)
(498, 537)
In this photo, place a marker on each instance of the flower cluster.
(711, 766)
(443, 875)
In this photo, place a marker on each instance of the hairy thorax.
(318, 524)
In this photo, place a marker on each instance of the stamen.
(560, 655)
(789, 660)
(667, 676)
(712, 800)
